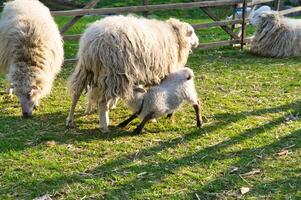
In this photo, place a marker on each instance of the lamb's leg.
(104, 107)
(70, 118)
(142, 124)
(127, 121)
(198, 114)
(169, 115)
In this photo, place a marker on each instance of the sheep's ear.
(34, 90)
(140, 90)
(188, 31)
(175, 23)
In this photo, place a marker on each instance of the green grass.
(246, 101)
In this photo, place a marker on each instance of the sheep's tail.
(80, 79)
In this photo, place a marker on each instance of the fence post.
(244, 25)
(277, 5)
(145, 3)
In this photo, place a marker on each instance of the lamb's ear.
(140, 90)
(188, 76)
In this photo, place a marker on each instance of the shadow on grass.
(249, 160)
(17, 139)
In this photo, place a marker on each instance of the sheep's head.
(185, 33)
(264, 17)
(29, 98)
(26, 87)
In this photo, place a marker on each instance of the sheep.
(276, 36)
(31, 51)
(164, 99)
(92, 98)
(118, 52)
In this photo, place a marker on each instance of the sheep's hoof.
(153, 120)
(69, 123)
(104, 130)
(88, 112)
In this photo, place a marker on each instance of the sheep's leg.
(89, 107)
(104, 108)
(198, 114)
(142, 124)
(127, 121)
(10, 91)
(113, 103)
(70, 118)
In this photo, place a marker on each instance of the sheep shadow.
(18, 134)
(148, 173)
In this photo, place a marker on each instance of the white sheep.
(164, 99)
(276, 36)
(118, 52)
(31, 51)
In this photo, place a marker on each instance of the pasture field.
(251, 137)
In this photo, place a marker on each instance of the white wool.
(31, 50)
(119, 52)
(277, 36)
(167, 97)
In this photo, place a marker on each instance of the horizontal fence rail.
(195, 26)
(204, 5)
(147, 8)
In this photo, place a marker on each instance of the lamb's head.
(182, 75)
(185, 33)
(135, 102)
(264, 18)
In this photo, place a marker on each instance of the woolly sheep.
(119, 52)
(31, 51)
(276, 36)
(164, 99)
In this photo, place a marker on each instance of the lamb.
(119, 52)
(31, 51)
(164, 99)
(276, 36)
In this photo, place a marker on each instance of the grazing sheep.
(276, 36)
(164, 99)
(119, 52)
(31, 51)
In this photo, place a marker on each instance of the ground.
(251, 137)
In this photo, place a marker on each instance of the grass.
(248, 104)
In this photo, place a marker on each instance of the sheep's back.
(278, 38)
(145, 50)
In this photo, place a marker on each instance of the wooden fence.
(205, 6)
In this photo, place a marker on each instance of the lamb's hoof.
(122, 125)
(69, 123)
(137, 131)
